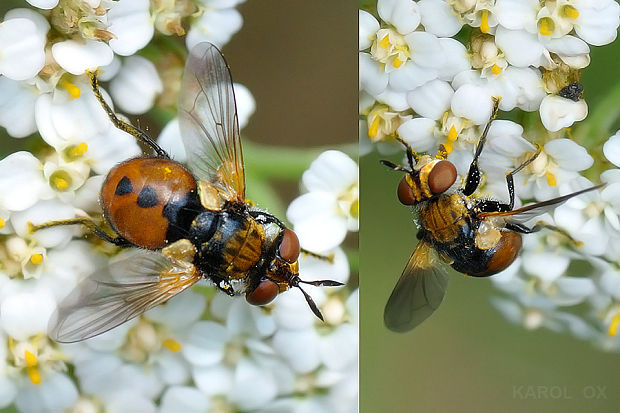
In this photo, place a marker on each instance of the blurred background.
(466, 357)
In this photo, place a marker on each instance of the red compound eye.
(263, 294)
(289, 247)
(441, 177)
(405, 194)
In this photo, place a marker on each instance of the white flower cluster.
(428, 72)
(200, 352)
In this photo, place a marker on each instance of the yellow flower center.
(496, 69)
(77, 150)
(613, 326)
(36, 259)
(2, 223)
(551, 179)
(484, 21)
(546, 26)
(73, 90)
(171, 344)
(570, 12)
(60, 180)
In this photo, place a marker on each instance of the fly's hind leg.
(522, 229)
(329, 258)
(88, 223)
(139, 134)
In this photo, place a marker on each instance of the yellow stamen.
(385, 42)
(373, 130)
(34, 375)
(73, 90)
(551, 180)
(36, 259)
(78, 150)
(171, 344)
(397, 62)
(31, 359)
(484, 21)
(448, 147)
(496, 69)
(452, 134)
(571, 12)
(546, 26)
(60, 183)
(613, 327)
(2, 223)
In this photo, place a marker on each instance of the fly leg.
(523, 229)
(412, 158)
(139, 134)
(88, 223)
(329, 258)
(510, 181)
(473, 176)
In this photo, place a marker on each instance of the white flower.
(77, 57)
(218, 22)
(137, 84)
(611, 149)
(323, 216)
(22, 43)
(17, 102)
(131, 23)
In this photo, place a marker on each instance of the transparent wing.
(119, 292)
(528, 212)
(208, 122)
(418, 292)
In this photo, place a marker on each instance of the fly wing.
(119, 292)
(528, 212)
(208, 122)
(418, 292)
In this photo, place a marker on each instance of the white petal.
(316, 221)
(215, 26)
(557, 112)
(456, 59)
(43, 4)
(611, 149)
(41, 212)
(77, 57)
(572, 50)
(527, 85)
(170, 141)
(213, 380)
(410, 76)
(246, 104)
(8, 390)
(287, 344)
(136, 86)
(184, 399)
(438, 18)
(368, 27)
(472, 102)
(55, 394)
(372, 79)
(180, 312)
(426, 49)
(205, 344)
(397, 101)
(17, 102)
(21, 181)
(332, 171)
(517, 14)
(568, 154)
(131, 23)
(419, 133)
(545, 265)
(22, 49)
(521, 48)
(25, 314)
(254, 387)
(598, 25)
(402, 14)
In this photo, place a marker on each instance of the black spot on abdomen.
(147, 197)
(124, 187)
